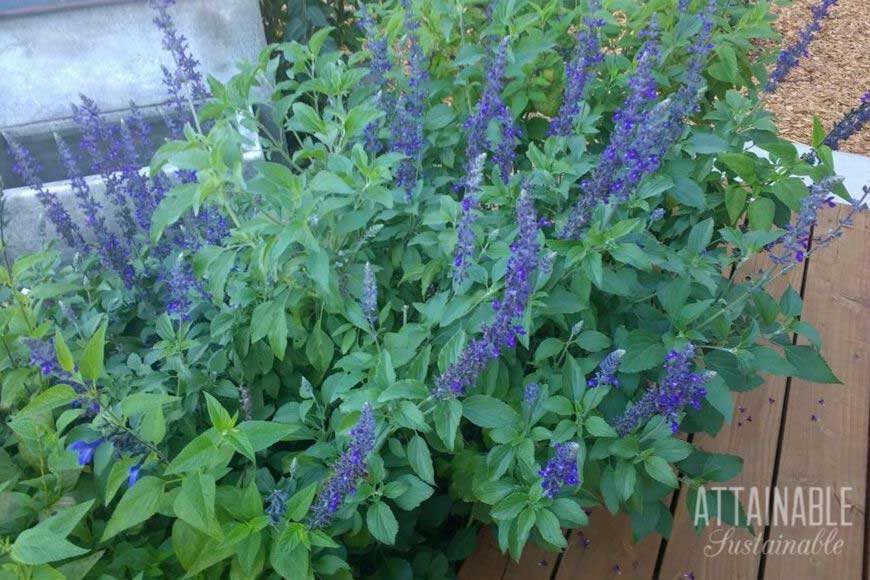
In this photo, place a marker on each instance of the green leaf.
(290, 558)
(264, 434)
(49, 399)
(91, 363)
(809, 364)
(700, 236)
(548, 525)
(593, 341)
(643, 351)
(220, 417)
(420, 459)
(416, 493)
(298, 505)
(599, 427)
(768, 360)
(319, 349)
(195, 504)
(447, 417)
(735, 201)
(40, 545)
(661, 471)
(175, 204)
(489, 412)
(790, 303)
(761, 214)
(307, 119)
(328, 182)
(64, 356)
(740, 163)
(382, 523)
(138, 504)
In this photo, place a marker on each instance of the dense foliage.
(482, 271)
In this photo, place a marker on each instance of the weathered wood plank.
(753, 434)
(605, 549)
(832, 450)
(535, 564)
(486, 563)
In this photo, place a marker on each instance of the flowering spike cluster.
(791, 55)
(43, 356)
(796, 241)
(587, 57)
(465, 242)
(113, 254)
(643, 132)
(561, 469)
(28, 170)
(186, 67)
(349, 469)
(605, 181)
(530, 394)
(181, 282)
(606, 375)
(502, 332)
(379, 67)
(370, 295)
(407, 129)
(276, 506)
(681, 387)
(852, 122)
(492, 109)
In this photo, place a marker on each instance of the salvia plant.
(486, 270)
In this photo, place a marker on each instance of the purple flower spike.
(561, 469)
(276, 506)
(42, 355)
(370, 295)
(465, 243)
(681, 387)
(27, 168)
(644, 129)
(791, 55)
(492, 109)
(852, 122)
(530, 395)
(606, 375)
(796, 241)
(85, 450)
(349, 469)
(502, 332)
(407, 128)
(578, 72)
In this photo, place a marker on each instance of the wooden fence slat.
(832, 450)
(610, 553)
(486, 563)
(753, 434)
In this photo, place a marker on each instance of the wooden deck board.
(831, 451)
(611, 551)
(757, 428)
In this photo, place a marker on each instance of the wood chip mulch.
(832, 79)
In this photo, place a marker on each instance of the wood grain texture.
(535, 564)
(832, 451)
(755, 427)
(486, 563)
(611, 551)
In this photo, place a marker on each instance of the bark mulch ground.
(832, 79)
